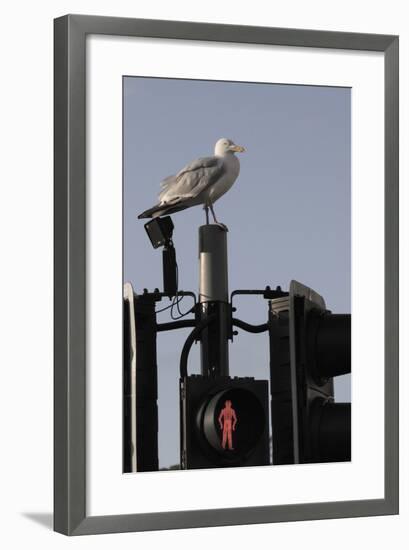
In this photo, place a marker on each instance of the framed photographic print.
(226, 274)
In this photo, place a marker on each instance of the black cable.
(176, 300)
(185, 323)
(189, 342)
(167, 307)
(250, 328)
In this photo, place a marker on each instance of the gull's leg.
(221, 225)
(206, 209)
(213, 214)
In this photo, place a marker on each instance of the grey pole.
(214, 298)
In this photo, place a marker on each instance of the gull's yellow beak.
(237, 148)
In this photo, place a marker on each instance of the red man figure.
(227, 421)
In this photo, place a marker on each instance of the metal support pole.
(214, 299)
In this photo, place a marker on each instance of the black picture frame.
(70, 516)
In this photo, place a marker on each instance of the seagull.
(202, 181)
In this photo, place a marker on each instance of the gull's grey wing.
(194, 178)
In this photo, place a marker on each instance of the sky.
(288, 213)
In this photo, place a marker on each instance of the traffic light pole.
(214, 300)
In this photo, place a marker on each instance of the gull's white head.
(224, 146)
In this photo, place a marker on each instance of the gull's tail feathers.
(161, 210)
(151, 212)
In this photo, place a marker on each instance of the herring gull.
(202, 181)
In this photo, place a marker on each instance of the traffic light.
(140, 385)
(309, 346)
(223, 422)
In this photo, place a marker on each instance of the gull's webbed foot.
(222, 226)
